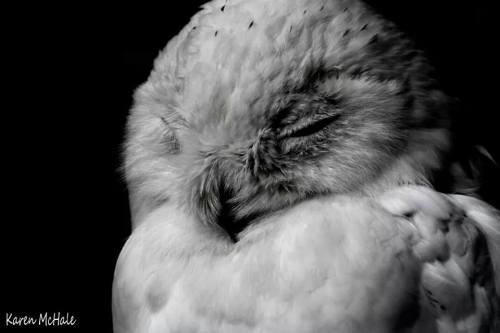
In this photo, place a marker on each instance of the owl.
(284, 162)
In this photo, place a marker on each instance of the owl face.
(237, 121)
(340, 134)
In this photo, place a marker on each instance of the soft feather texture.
(338, 264)
(301, 271)
(266, 159)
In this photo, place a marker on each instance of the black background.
(70, 74)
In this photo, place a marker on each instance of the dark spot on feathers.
(336, 71)
(194, 28)
(434, 302)
(216, 32)
(373, 40)
(364, 27)
(409, 215)
(305, 11)
(345, 9)
(222, 8)
(346, 33)
(291, 28)
(357, 72)
(321, 9)
(251, 25)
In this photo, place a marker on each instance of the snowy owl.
(281, 161)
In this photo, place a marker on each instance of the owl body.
(290, 273)
(263, 159)
(336, 264)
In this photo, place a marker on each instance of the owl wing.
(457, 241)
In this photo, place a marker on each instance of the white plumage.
(280, 160)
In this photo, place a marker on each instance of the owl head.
(259, 104)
